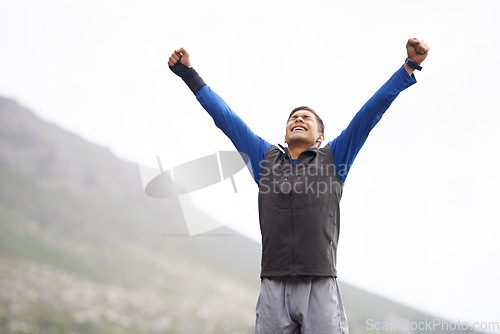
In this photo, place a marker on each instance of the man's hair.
(321, 126)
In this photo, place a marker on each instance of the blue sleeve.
(347, 145)
(233, 126)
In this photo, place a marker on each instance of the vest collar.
(283, 149)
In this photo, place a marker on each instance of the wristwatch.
(413, 65)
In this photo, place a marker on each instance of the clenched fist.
(179, 64)
(417, 50)
(181, 54)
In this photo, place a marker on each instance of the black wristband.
(189, 76)
(413, 65)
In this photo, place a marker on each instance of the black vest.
(299, 213)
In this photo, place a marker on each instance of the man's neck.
(295, 150)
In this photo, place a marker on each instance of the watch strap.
(413, 65)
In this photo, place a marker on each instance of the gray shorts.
(300, 305)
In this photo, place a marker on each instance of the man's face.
(302, 127)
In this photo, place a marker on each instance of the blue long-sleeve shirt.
(344, 148)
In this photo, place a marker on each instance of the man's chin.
(298, 140)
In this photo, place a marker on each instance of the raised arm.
(224, 117)
(347, 145)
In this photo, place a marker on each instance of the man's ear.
(321, 138)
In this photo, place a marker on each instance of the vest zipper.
(291, 231)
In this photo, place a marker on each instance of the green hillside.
(84, 250)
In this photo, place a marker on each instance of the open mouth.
(298, 128)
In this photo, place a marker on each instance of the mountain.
(84, 250)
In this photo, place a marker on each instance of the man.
(300, 187)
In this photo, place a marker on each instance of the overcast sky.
(420, 214)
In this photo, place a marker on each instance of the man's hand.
(181, 54)
(179, 64)
(417, 50)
